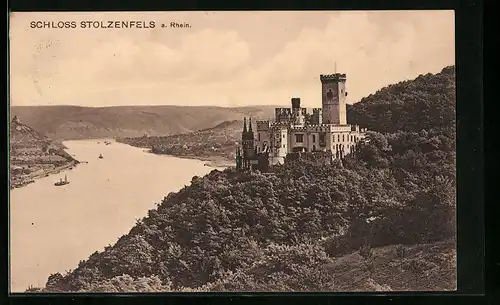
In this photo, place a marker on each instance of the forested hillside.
(427, 102)
(384, 220)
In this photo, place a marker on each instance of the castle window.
(283, 136)
(322, 139)
(343, 138)
(258, 136)
(333, 138)
(283, 145)
(338, 138)
(314, 138)
(299, 138)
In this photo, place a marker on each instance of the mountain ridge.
(77, 122)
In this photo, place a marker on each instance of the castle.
(294, 130)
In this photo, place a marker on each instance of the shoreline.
(211, 161)
(217, 162)
(31, 178)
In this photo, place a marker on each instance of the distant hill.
(73, 122)
(426, 102)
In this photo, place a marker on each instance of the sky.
(223, 58)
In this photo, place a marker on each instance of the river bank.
(41, 172)
(211, 161)
(214, 160)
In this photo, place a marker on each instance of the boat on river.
(100, 156)
(62, 182)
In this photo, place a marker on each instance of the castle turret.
(247, 142)
(298, 117)
(334, 98)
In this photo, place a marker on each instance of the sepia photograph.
(232, 151)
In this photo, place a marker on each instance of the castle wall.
(316, 116)
(285, 143)
(278, 138)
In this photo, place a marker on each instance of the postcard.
(231, 151)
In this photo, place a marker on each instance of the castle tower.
(334, 98)
(298, 118)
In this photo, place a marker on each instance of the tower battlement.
(336, 77)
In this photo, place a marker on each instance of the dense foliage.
(302, 227)
(427, 102)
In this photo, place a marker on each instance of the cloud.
(209, 65)
(370, 48)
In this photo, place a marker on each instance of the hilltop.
(20, 132)
(74, 122)
(33, 155)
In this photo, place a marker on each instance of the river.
(53, 228)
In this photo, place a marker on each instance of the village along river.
(52, 227)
